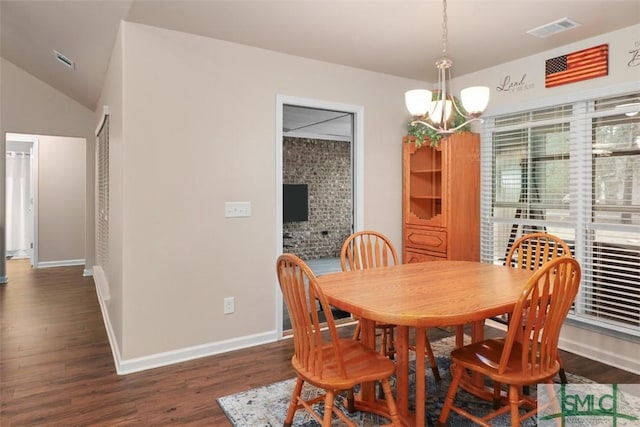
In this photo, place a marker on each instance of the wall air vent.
(554, 27)
(64, 60)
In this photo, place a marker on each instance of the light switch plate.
(237, 209)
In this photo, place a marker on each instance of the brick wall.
(325, 166)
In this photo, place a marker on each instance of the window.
(574, 171)
(102, 184)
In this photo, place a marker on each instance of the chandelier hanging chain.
(445, 30)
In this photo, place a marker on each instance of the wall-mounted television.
(295, 202)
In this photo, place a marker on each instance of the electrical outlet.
(229, 305)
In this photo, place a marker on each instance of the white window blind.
(572, 170)
(102, 173)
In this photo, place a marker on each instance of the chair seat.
(362, 364)
(484, 357)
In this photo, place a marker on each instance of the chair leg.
(563, 376)
(497, 395)
(432, 358)
(293, 404)
(514, 398)
(553, 398)
(351, 401)
(391, 349)
(561, 372)
(328, 409)
(451, 395)
(387, 346)
(356, 332)
(383, 342)
(391, 404)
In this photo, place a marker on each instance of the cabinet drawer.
(413, 256)
(429, 240)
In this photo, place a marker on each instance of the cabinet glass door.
(425, 184)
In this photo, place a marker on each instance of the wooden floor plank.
(56, 367)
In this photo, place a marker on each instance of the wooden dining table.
(421, 295)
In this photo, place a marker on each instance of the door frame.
(33, 139)
(357, 150)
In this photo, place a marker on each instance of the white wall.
(61, 200)
(30, 106)
(199, 130)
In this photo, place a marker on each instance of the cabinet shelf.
(426, 171)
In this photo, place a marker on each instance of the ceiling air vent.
(64, 60)
(554, 27)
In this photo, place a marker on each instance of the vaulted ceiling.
(396, 37)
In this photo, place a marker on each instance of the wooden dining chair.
(323, 359)
(371, 249)
(530, 252)
(528, 353)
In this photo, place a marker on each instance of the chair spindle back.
(367, 249)
(532, 250)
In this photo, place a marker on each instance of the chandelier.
(437, 114)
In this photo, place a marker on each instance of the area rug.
(267, 406)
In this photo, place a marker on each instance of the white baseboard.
(606, 356)
(129, 366)
(102, 285)
(63, 263)
(111, 336)
(87, 272)
(4, 279)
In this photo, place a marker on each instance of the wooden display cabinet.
(441, 199)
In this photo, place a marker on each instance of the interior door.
(333, 127)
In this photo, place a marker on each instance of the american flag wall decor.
(574, 67)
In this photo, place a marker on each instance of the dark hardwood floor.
(56, 367)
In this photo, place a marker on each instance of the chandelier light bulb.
(418, 101)
(435, 112)
(475, 99)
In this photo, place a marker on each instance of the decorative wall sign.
(634, 59)
(508, 84)
(577, 66)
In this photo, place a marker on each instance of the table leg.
(459, 336)
(477, 331)
(421, 386)
(477, 335)
(368, 338)
(402, 371)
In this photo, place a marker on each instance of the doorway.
(21, 178)
(331, 135)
